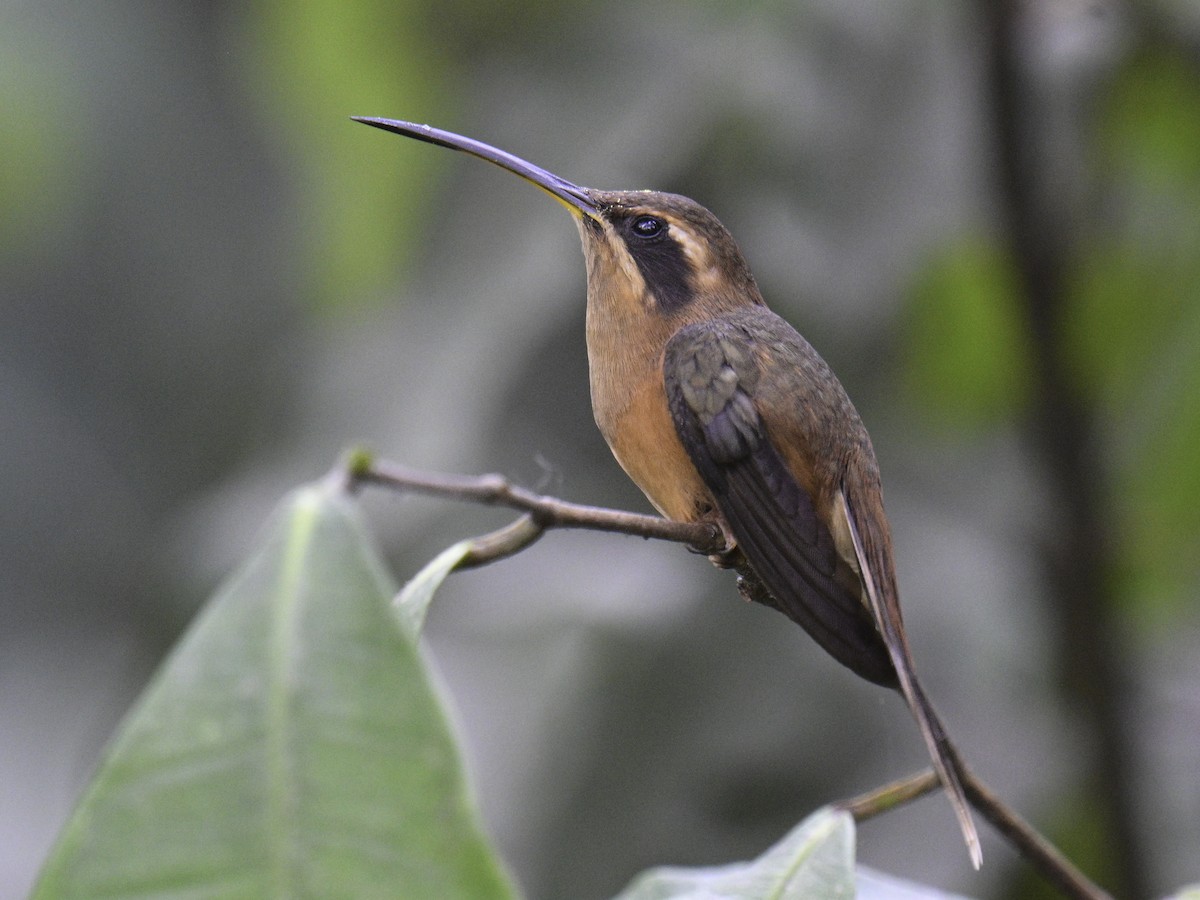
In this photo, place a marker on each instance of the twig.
(507, 541)
(542, 513)
(897, 793)
(1041, 854)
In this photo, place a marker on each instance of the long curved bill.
(575, 198)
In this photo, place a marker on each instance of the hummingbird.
(721, 412)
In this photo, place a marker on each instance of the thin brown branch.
(897, 793)
(544, 512)
(507, 541)
(1039, 852)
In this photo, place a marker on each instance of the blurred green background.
(986, 216)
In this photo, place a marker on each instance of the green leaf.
(967, 353)
(413, 601)
(290, 746)
(814, 861)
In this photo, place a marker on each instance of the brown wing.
(711, 374)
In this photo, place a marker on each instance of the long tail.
(886, 611)
(944, 757)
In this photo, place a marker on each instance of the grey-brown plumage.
(722, 397)
(720, 411)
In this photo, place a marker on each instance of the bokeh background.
(985, 215)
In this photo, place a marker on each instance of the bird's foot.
(729, 556)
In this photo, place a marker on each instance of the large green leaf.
(290, 746)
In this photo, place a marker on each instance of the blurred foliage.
(967, 360)
(1134, 328)
(305, 59)
(1150, 121)
(1130, 330)
(37, 143)
(1075, 825)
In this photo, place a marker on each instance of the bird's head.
(646, 251)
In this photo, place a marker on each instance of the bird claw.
(729, 556)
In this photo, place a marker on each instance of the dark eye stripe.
(659, 258)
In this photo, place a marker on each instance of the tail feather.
(941, 751)
(945, 763)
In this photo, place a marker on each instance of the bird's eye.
(648, 226)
